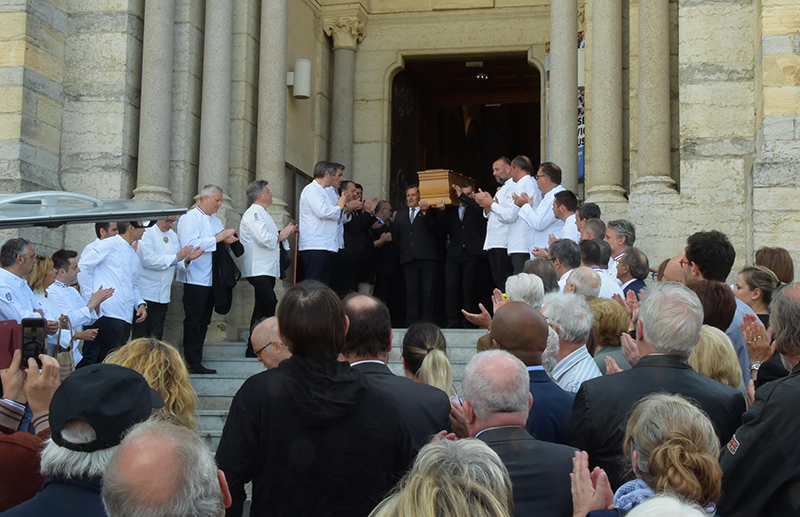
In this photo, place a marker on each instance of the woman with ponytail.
(425, 357)
(673, 449)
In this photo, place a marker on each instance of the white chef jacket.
(542, 220)
(259, 236)
(345, 218)
(497, 230)
(16, 298)
(53, 312)
(71, 303)
(608, 285)
(520, 236)
(158, 258)
(319, 219)
(198, 229)
(113, 263)
(570, 230)
(87, 292)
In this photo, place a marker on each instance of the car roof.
(54, 208)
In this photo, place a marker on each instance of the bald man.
(521, 330)
(267, 344)
(163, 469)
(674, 270)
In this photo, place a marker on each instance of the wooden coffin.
(436, 184)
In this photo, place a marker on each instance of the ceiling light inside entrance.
(482, 76)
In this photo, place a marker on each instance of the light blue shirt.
(573, 370)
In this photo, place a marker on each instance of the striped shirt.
(570, 372)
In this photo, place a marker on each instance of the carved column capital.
(346, 31)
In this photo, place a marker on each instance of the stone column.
(215, 117)
(155, 119)
(563, 100)
(347, 32)
(654, 102)
(272, 92)
(604, 180)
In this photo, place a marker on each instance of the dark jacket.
(357, 236)
(467, 235)
(425, 409)
(636, 286)
(415, 241)
(314, 439)
(548, 419)
(602, 407)
(761, 463)
(539, 471)
(63, 498)
(224, 275)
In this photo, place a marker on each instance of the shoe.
(200, 369)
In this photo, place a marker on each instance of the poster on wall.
(581, 100)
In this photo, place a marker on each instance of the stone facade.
(71, 76)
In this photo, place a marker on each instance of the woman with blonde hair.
(425, 357)
(610, 321)
(40, 278)
(672, 447)
(452, 479)
(714, 357)
(163, 368)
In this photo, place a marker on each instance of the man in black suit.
(496, 403)
(466, 230)
(414, 231)
(632, 269)
(369, 340)
(670, 318)
(521, 330)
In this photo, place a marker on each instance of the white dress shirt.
(542, 220)
(520, 237)
(570, 230)
(319, 219)
(158, 258)
(87, 293)
(199, 230)
(612, 267)
(497, 230)
(16, 298)
(562, 282)
(113, 263)
(259, 236)
(608, 285)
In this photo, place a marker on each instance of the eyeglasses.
(258, 352)
(539, 176)
(684, 262)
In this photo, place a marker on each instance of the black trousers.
(501, 265)
(265, 301)
(460, 288)
(153, 325)
(317, 265)
(111, 334)
(519, 260)
(198, 305)
(419, 290)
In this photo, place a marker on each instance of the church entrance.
(463, 114)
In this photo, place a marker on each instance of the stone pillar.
(654, 102)
(563, 100)
(155, 119)
(215, 121)
(272, 92)
(604, 180)
(347, 32)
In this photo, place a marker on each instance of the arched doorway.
(462, 114)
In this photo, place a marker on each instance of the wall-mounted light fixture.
(300, 79)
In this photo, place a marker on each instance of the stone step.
(243, 366)
(211, 419)
(211, 438)
(227, 350)
(207, 401)
(218, 384)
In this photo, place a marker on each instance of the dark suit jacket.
(467, 235)
(539, 471)
(636, 286)
(356, 234)
(224, 275)
(426, 409)
(415, 241)
(603, 405)
(548, 419)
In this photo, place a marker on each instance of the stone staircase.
(215, 392)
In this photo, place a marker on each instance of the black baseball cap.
(108, 397)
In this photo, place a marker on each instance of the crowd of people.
(598, 389)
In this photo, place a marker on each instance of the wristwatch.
(754, 366)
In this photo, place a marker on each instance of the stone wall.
(776, 173)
